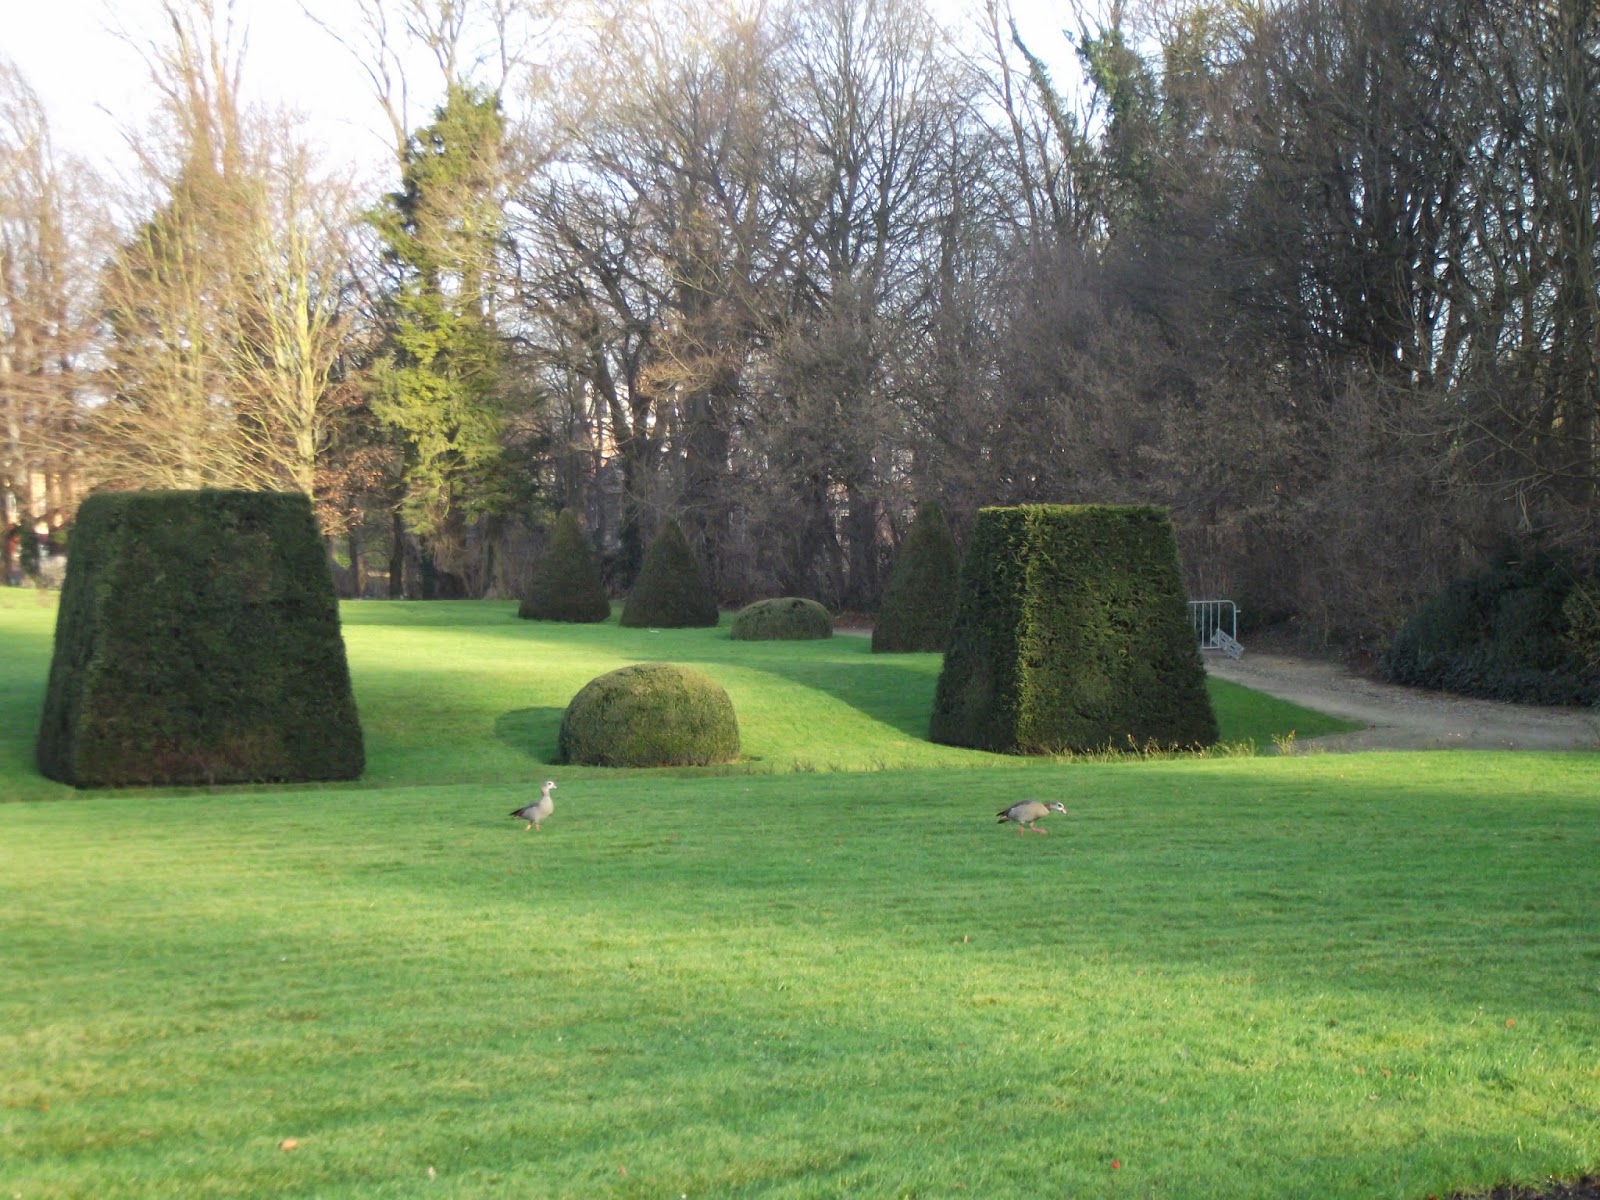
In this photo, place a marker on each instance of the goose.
(1025, 812)
(542, 808)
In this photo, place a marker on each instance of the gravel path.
(1404, 718)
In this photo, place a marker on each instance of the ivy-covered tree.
(438, 382)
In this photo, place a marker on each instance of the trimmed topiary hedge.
(566, 583)
(650, 715)
(197, 642)
(1072, 633)
(920, 600)
(1507, 633)
(790, 619)
(671, 592)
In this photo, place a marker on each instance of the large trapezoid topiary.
(1072, 633)
(671, 591)
(197, 642)
(566, 584)
(920, 600)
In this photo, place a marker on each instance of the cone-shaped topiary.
(650, 715)
(920, 601)
(790, 619)
(1072, 633)
(670, 592)
(197, 642)
(566, 584)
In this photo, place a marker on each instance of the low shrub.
(1506, 633)
(566, 584)
(920, 600)
(671, 591)
(650, 715)
(791, 619)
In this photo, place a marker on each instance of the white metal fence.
(1216, 624)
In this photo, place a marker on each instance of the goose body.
(539, 809)
(1024, 813)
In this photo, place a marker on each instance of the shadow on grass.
(531, 731)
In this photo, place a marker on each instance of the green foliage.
(671, 591)
(650, 715)
(920, 601)
(1504, 634)
(28, 556)
(1071, 633)
(790, 619)
(197, 642)
(1581, 614)
(439, 381)
(566, 583)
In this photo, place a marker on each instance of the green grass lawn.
(1312, 976)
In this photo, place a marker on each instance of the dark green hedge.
(790, 619)
(566, 583)
(650, 715)
(1506, 634)
(920, 601)
(198, 642)
(671, 592)
(1072, 633)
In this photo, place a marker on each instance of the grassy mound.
(790, 619)
(198, 642)
(650, 715)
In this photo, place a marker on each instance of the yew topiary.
(791, 619)
(1072, 633)
(671, 591)
(197, 642)
(650, 715)
(566, 583)
(920, 601)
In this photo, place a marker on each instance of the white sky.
(93, 83)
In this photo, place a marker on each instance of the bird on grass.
(539, 809)
(1026, 812)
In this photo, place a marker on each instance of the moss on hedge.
(919, 602)
(791, 618)
(650, 715)
(1072, 633)
(671, 591)
(566, 584)
(198, 642)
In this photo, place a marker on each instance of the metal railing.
(1216, 625)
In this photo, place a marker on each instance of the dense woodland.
(1321, 276)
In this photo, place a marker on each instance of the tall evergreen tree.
(438, 382)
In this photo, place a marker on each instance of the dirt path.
(1403, 718)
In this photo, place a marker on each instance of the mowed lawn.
(1317, 976)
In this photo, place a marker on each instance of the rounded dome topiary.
(566, 584)
(919, 603)
(670, 592)
(791, 619)
(650, 715)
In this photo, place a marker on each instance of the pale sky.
(94, 84)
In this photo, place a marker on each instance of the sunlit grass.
(1367, 975)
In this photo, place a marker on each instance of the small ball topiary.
(671, 592)
(791, 619)
(650, 715)
(566, 584)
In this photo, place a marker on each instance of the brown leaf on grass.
(288, 1144)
